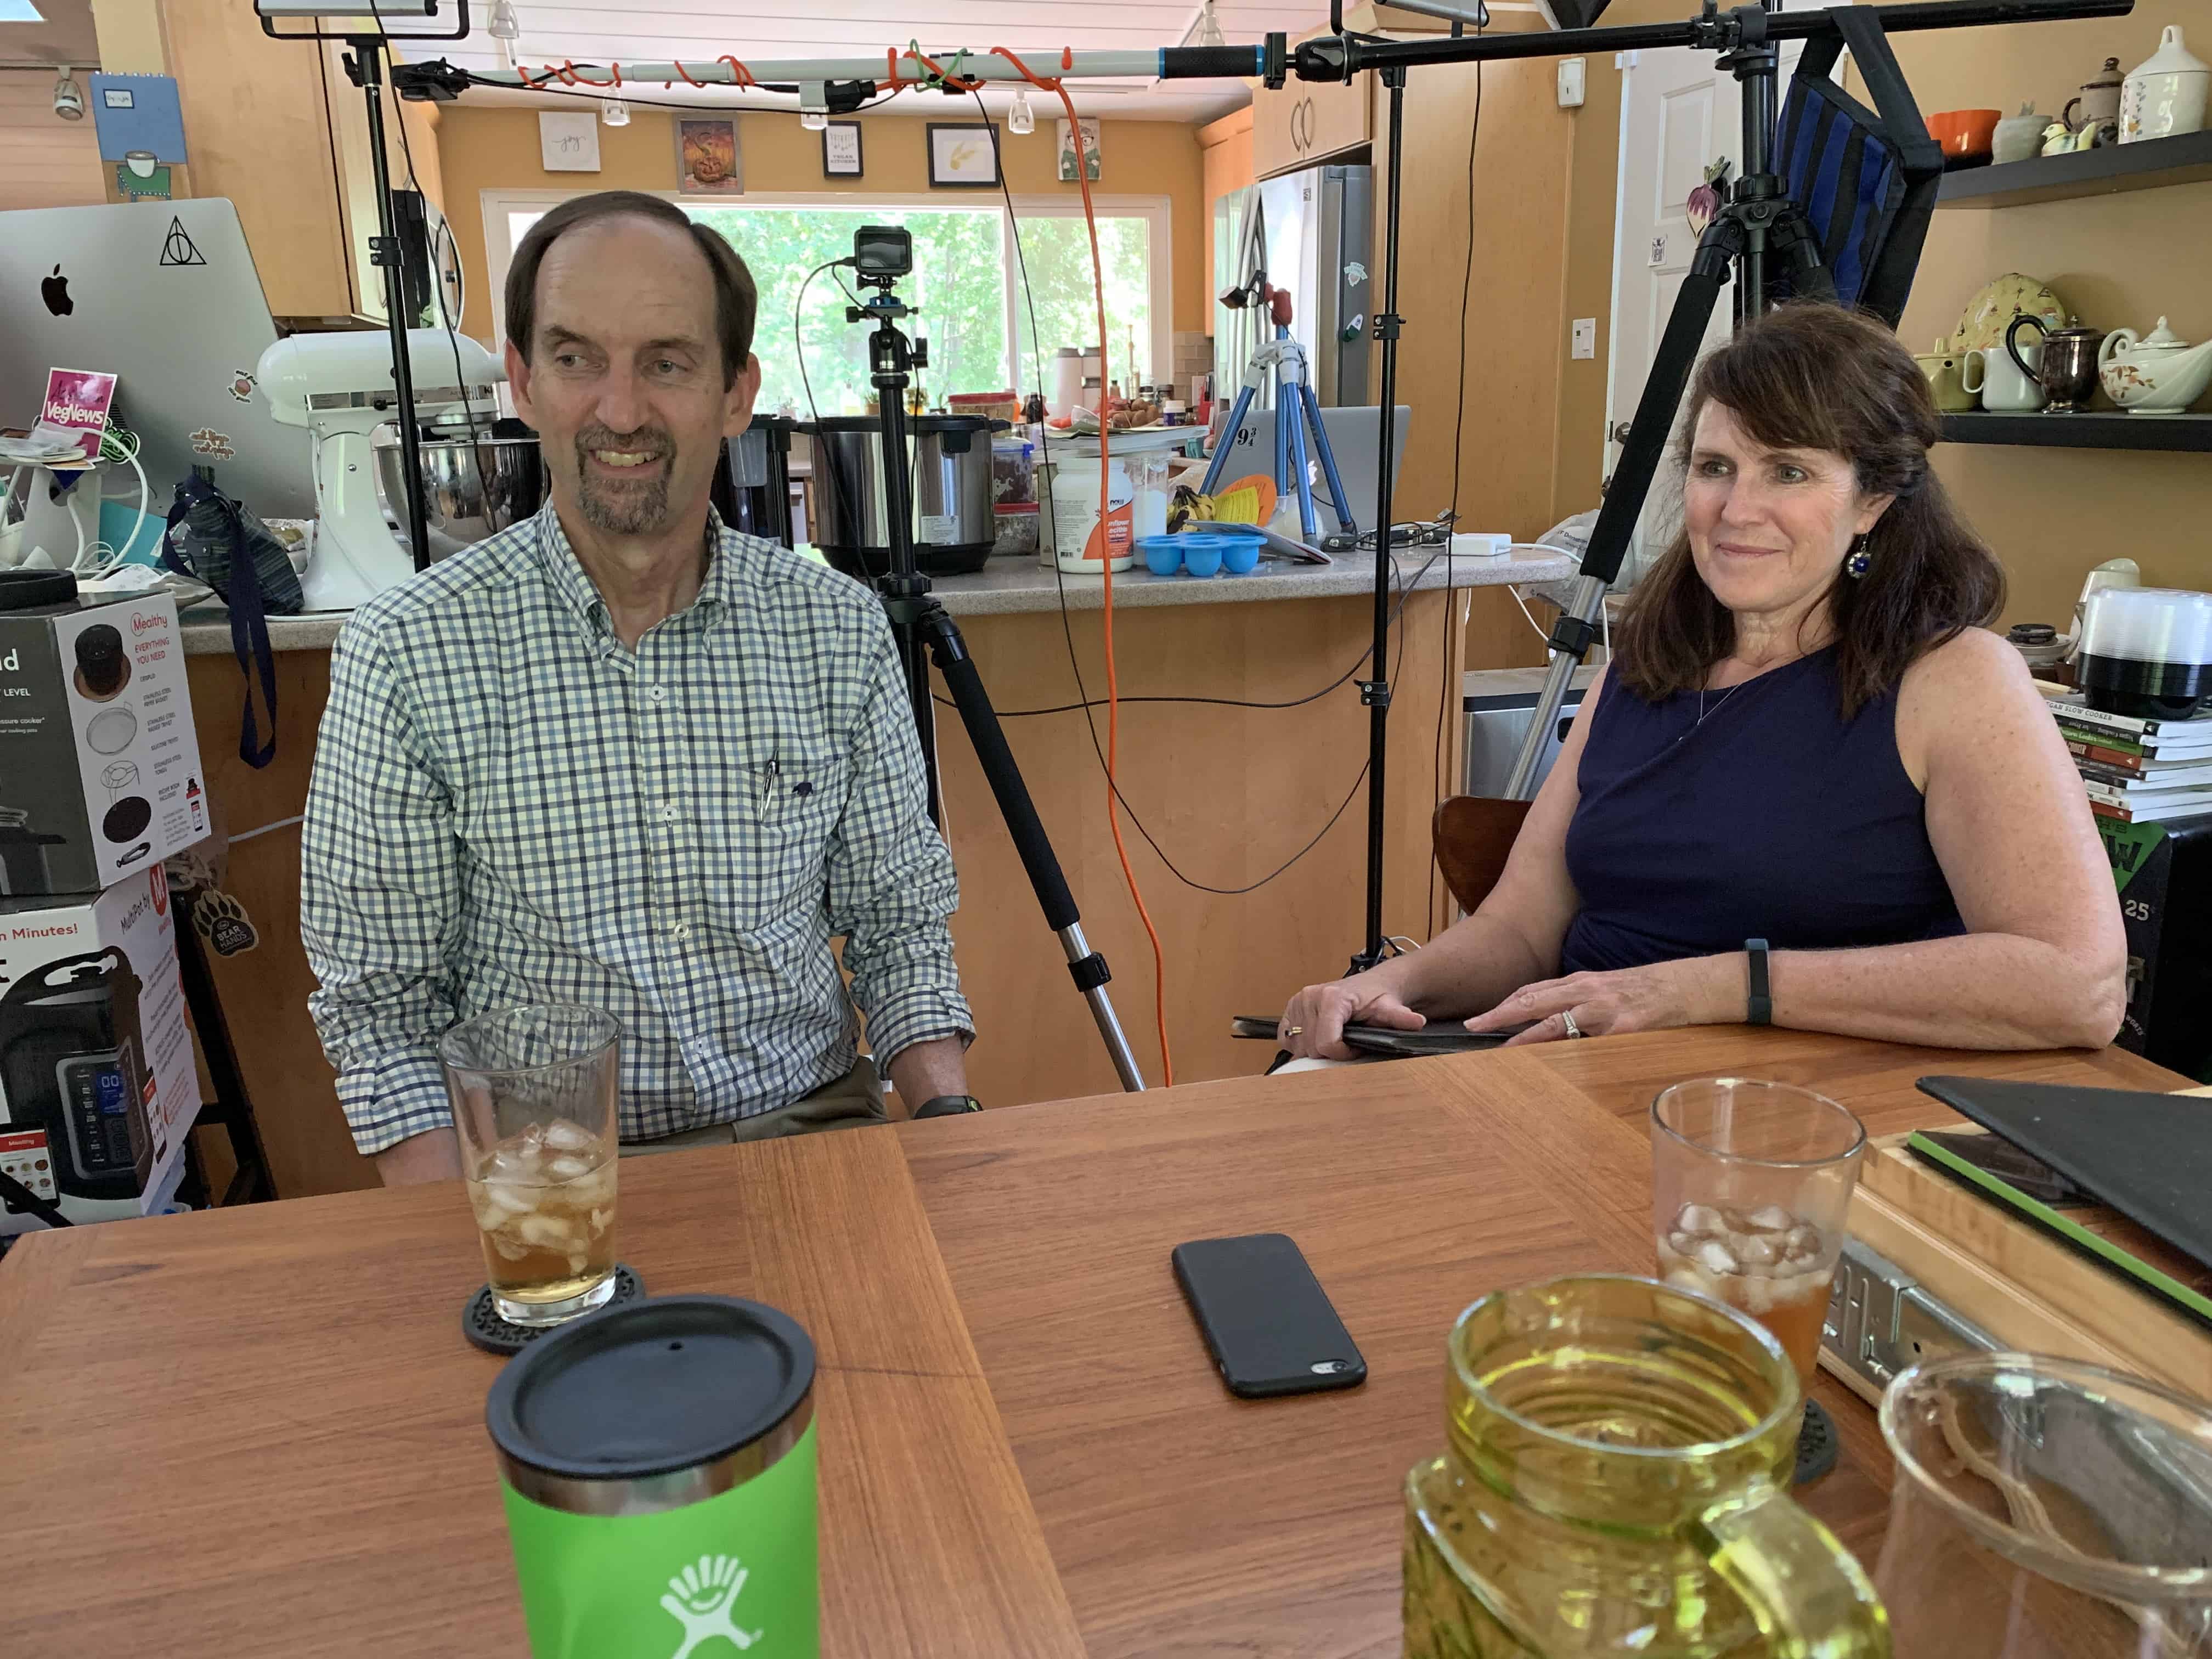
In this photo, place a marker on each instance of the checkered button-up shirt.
(509, 806)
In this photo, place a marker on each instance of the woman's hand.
(1649, 998)
(1313, 1022)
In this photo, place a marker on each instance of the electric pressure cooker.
(72, 1062)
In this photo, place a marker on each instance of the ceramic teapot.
(2154, 373)
(2098, 101)
(2165, 95)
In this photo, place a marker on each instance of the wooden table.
(215, 1423)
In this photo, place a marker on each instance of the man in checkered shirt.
(621, 756)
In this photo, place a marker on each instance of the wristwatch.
(1759, 1006)
(948, 1106)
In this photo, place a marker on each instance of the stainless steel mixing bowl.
(465, 500)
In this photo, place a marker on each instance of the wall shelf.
(2096, 430)
(2147, 166)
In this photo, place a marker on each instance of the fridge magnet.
(215, 446)
(841, 150)
(1068, 149)
(706, 158)
(963, 155)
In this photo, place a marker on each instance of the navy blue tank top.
(1774, 818)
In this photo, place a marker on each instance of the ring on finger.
(1293, 1030)
(1567, 1019)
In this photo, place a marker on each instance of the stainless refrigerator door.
(1293, 207)
(1344, 326)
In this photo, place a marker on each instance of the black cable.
(1459, 435)
(1068, 630)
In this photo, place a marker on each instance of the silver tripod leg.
(1102, 1010)
(1521, 783)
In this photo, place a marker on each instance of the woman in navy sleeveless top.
(1811, 786)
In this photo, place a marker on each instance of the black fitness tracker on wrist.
(948, 1106)
(1758, 1008)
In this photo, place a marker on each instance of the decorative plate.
(1989, 312)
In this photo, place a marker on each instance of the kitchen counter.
(1014, 586)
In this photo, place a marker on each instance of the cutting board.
(2021, 1284)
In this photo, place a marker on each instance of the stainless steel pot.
(949, 459)
(465, 499)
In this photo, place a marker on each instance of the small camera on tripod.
(882, 252)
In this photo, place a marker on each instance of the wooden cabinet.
(276, 126)
(1309, 122)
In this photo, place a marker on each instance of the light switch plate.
(1570, 82)
(1585, 337)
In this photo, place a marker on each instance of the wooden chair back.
(1473, 836)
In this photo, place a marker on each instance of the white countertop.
(1014, 585)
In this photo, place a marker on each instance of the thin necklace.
(1725, 696)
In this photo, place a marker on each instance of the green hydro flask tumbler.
(659, 1465)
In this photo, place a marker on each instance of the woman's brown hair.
(1814, 376)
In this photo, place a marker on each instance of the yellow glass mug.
(1618, 1456)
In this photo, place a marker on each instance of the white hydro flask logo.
(700, 1597)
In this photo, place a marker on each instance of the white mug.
(2002, 387)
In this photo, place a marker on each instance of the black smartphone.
(1267, 1320)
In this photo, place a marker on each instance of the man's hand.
(923, 1071)
(1313, 1023)
(433, 1156)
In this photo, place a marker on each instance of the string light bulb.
(1022, 118)
(615, 113)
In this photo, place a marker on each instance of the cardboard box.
(100, 766)
(97, 1085)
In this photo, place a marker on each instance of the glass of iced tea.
(533, 1090)
(1751, 1188)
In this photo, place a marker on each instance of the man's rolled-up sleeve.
(379, 901)
(891, 877)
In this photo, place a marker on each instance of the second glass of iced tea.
(1751, 1189)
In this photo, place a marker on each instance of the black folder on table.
(2148, 1155)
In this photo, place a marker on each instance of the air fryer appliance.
(72, 1062)
(25, 864)
(948, 462)
(2147, 652)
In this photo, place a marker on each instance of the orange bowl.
(1964, 132)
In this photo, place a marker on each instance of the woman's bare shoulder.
(1972, 685)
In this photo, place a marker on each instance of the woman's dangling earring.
(1860, 560)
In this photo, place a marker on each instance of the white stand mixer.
(339, 388)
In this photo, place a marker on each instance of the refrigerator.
(1318, 227)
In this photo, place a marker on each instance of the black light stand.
(1755, 219)
(365, 68)
(926, 633)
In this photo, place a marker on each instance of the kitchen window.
(966, 284)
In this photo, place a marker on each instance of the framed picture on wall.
(841, 150)
(1068, 148)
(963, 155)
(707, 162)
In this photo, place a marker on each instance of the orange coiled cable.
(1105, 497)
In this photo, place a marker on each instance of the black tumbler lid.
(648, 1387)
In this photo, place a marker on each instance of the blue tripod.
(1297, 411)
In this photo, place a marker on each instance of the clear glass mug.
(534, 1091)
(1751, 1186)
(1619, 1453)
(2046, 1508)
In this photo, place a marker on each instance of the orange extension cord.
(741, 76)
(1105, 495)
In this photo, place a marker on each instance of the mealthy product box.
(100, 766)
(97, 1085)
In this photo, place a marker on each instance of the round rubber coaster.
(483, 1327)
(1816, 1443)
